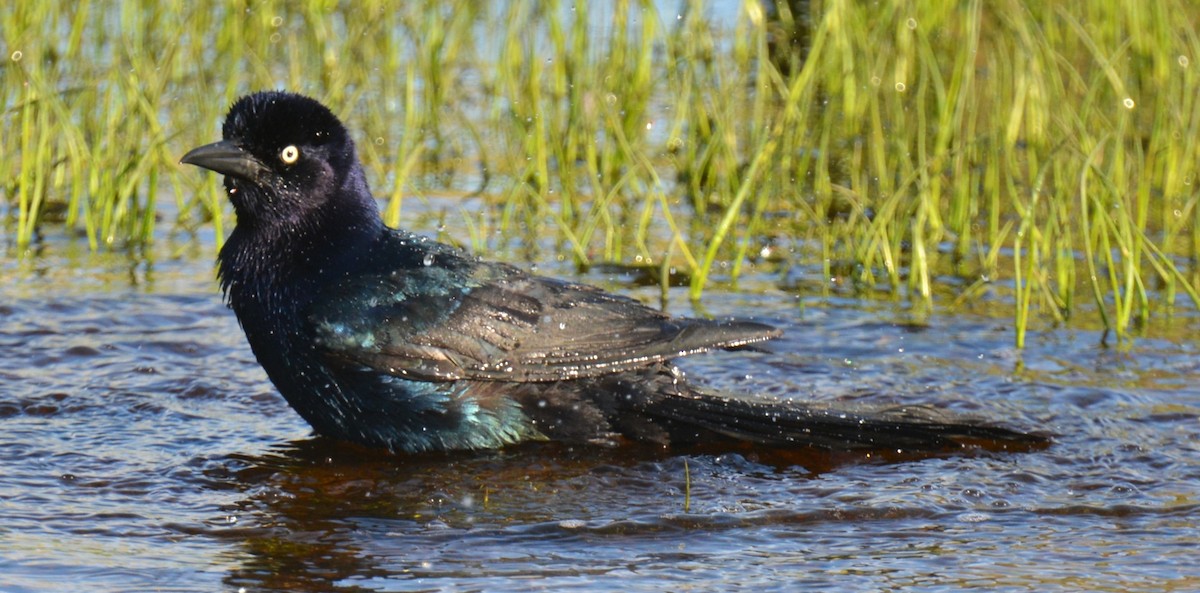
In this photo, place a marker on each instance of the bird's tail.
(908, 429)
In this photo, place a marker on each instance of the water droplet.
(428, 260)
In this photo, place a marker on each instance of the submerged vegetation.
(933, 151)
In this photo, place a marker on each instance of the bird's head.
(284, 156)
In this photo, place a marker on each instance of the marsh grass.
(1037, 153)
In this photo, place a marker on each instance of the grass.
(932, 151)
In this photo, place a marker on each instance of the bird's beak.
(227, 158)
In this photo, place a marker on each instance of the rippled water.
(143, 449)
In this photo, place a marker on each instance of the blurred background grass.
(935, 152)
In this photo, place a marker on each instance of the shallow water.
(145, 450)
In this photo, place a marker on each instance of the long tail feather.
(908, 429)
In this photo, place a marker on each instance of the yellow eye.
(289, 155)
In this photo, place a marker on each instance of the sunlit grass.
(1043, 154)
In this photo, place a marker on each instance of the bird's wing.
(488, 321)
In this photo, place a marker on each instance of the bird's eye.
(290, 154)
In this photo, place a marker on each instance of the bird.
(388, 339)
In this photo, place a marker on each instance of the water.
(144, 449)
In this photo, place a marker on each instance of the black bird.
(388, 339)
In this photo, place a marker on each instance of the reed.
(934, 152)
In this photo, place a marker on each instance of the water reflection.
(316, 515)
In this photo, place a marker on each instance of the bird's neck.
(279, 267)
